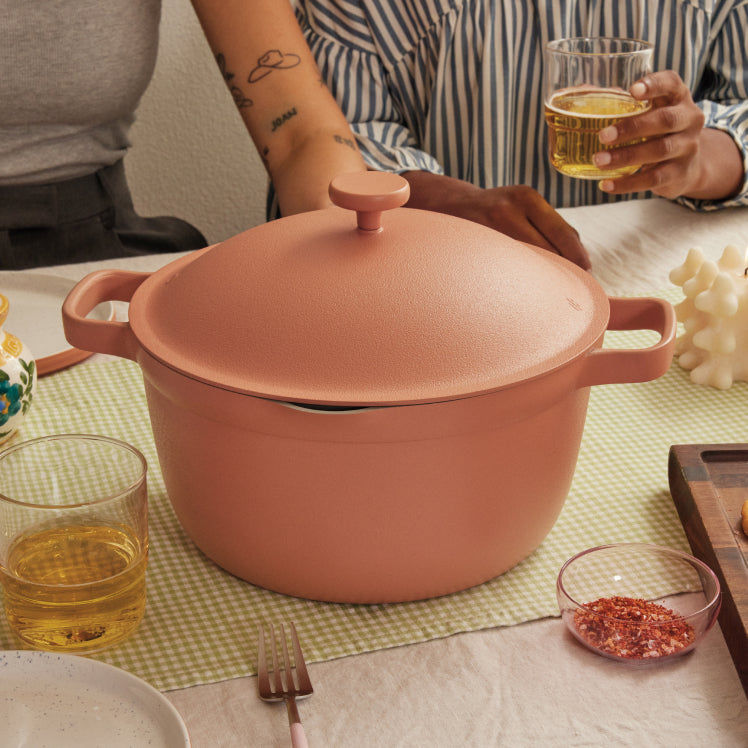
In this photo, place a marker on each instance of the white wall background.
(192, 156)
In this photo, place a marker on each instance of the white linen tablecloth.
(525, 685)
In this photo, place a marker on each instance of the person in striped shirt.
(450, 94)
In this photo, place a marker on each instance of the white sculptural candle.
(714, 313)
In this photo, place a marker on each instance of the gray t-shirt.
(72, 73)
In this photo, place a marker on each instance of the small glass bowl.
(636, 602)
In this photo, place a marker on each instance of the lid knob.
(369, 194)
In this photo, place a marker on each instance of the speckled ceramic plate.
(35, 317)
(67, 701)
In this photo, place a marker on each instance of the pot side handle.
(619, 366)
(101, 336)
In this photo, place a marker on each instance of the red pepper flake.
(641, 629)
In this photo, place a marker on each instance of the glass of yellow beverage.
(587, 89)
(73, 541)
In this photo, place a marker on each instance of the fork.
(284, 689)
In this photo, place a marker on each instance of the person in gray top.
(73, 74)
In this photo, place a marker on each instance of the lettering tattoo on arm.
(240, 99)
(279, 121)
(350, 142)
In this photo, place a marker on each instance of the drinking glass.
(587, 89)
(73, 541)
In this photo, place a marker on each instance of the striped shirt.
(456, 86)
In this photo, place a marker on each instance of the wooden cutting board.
(709, 484)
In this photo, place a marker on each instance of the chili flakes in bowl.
(638, 602)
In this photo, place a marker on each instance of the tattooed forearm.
(350, 142)
(279, 121)
(239, 98)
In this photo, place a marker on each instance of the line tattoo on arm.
(240, 99)
(273, 59)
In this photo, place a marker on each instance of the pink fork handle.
(298, 737)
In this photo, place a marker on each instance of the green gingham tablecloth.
(201, 623)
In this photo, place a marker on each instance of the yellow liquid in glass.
(575, 117)
(75, 588)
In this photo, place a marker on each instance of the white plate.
(35, 317)
(68, 701)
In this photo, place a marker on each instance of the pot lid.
(384, 305)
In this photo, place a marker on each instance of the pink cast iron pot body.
(377, 407)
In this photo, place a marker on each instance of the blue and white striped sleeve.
(352, 69)
(724, 98)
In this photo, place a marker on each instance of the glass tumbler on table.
(587, 89)
(73, 541)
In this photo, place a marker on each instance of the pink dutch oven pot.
(369, 403)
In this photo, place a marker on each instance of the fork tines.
(282, 685)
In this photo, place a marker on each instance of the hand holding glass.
(73, 541)
(587, 90)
